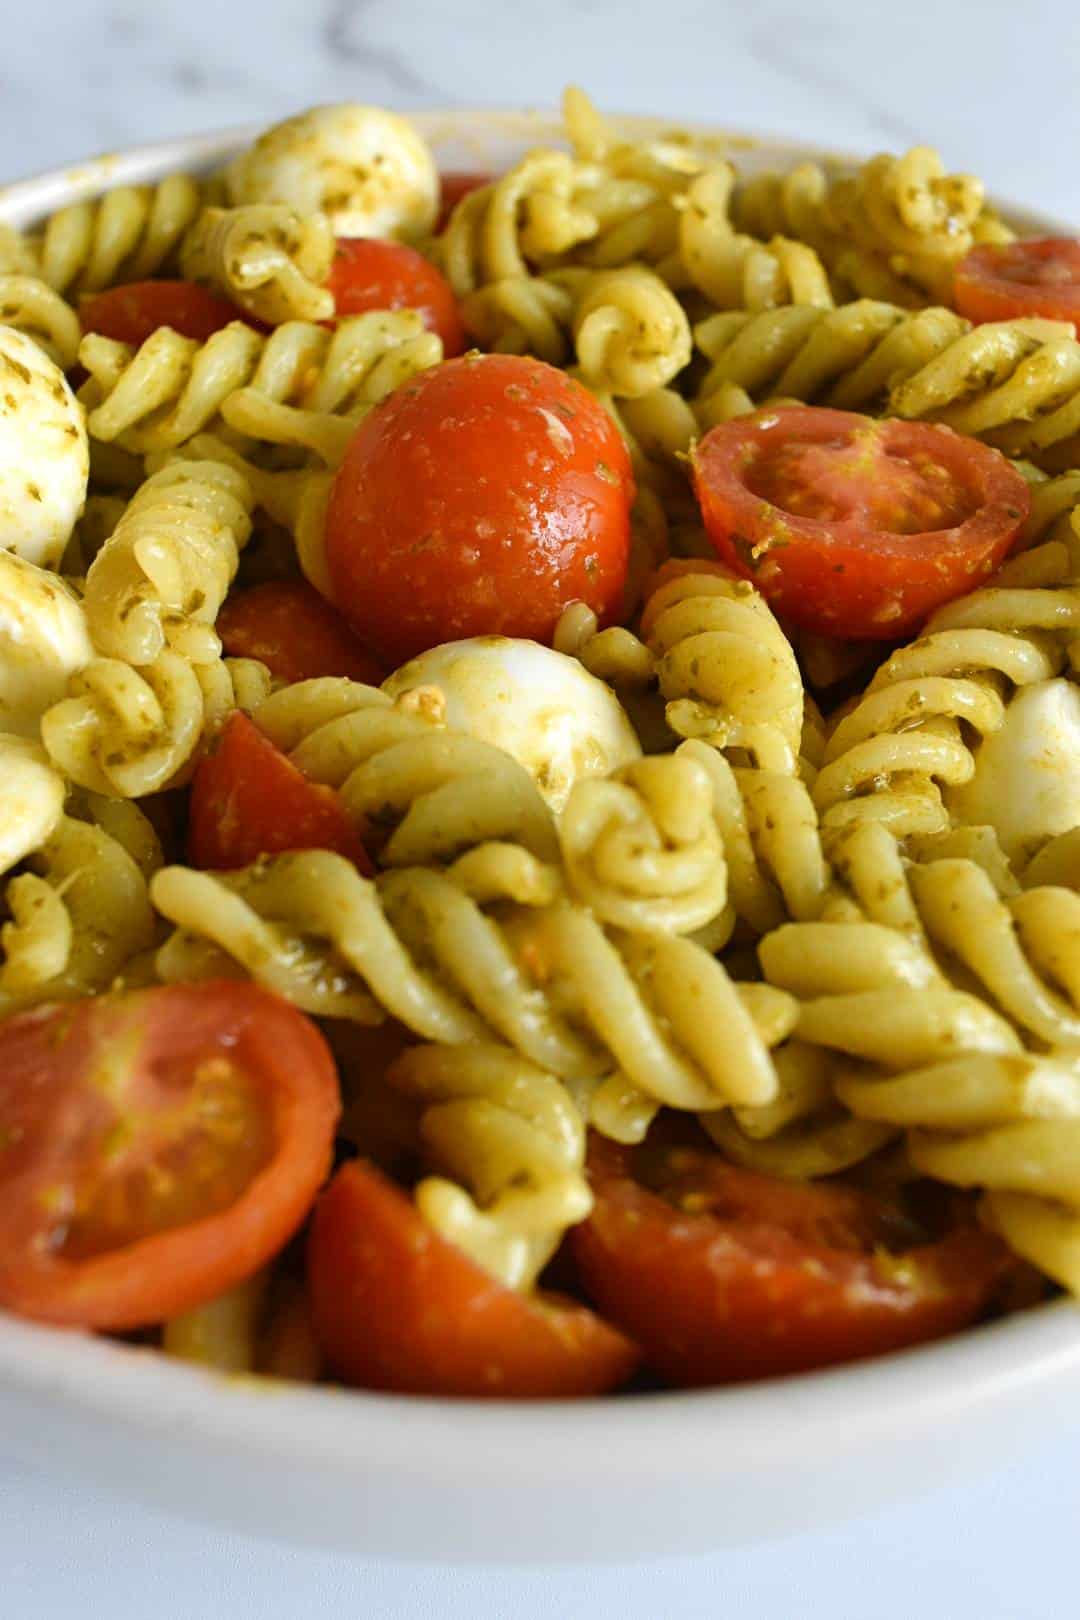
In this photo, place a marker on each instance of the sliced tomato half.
(397, 1307)
(156, 1148)
(852, 526)
(723, 1275)
(1036, 276)
(132, 312)
(295, 632)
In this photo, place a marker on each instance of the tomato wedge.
(397, 1307)
(371, 274)
(295, 632)
(131, 312)
(1037, 276)
(851, 526)
(156, 1148)
(248, 800)
(724, 1275)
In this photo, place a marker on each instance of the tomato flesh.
(851, 526)
(396, 1307)
(371, 274)
(156, 1148)
(1038, 276)
(295, 632)
(133, 312)
(248, 799)
(479, 499)
(723, 1275)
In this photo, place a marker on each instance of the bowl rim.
(846, 1408)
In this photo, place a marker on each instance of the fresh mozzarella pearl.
(32, 801)
(542, 707)
(44, 459)
(1027, 775)
(368, 170)
(43, 641)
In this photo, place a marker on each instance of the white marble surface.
(994, 84)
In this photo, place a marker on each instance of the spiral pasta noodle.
(630, 332)
(127, 234)
(30, 305)
(524, 220)
(736, 271)
(266, 258)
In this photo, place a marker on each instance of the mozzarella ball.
(44, 458)
(542, 707)
(1027, 774)
(368, 170)
(43, 641)
(32, 801)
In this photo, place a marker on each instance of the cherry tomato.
(131, 313)
(370, 274)
(295, 632)
(723, 1275)
(156, 1148)
(397, 1307)
(248, 799)
(1039, 276)
(851, 526)
(479, 499)
(456, 185)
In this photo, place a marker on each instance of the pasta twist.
(641, 848)
(848, 358)
(631, 333)
(30, 305)
(126, 235)
(526, 219)
(525, 314)
(1016, 383)
(271, 261)
(301, 386)
(736, 271)
(509, 1143)
(653, 1015)
(908, 736)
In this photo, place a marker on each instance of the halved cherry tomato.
(851, 526)
(132, 312)
(370, 274)
(479, 499)
(456, 185)
(397, 1307)
(1038, 276)
(248, 800)
(295, 632)
(156, 1148)
(723, 1275)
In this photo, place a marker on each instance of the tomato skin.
(295, 632)
(132, 312)
(62, 1126)
(1037, 276)
(479, 499)
(783, 1279)
(371, 274)
(852, 526)
(248, 799)
(396, 1307)
(455, 185)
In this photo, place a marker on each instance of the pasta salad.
(540, 745)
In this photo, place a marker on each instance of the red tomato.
(454, 187)
(397, 1307)
(248, 800)
(370, 274)
(851, 526)
(479, 499)
(295, 632)
(157, 1147)
(724, 1275)
(1040, 276)
(132, 312)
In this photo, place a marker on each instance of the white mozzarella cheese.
(43, 641)
(1027, 774)
(542, 707)
(370, 171)
(44, 458)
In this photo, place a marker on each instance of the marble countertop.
(994, 85)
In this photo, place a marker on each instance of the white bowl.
(623, 1478)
